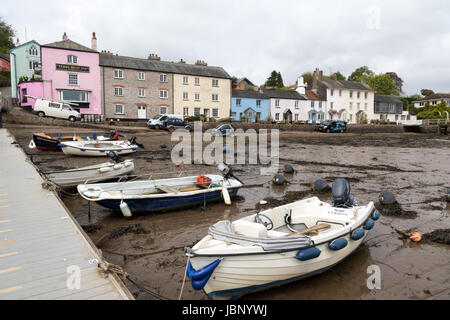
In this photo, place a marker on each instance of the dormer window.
(33, 51)
(72, 59)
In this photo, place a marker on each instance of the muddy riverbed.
(415, 167)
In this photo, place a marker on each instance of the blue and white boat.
(97, 148)
(279, 245)
(162, 194)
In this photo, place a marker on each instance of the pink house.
(69, 72)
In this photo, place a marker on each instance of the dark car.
(172, 123)
(333, 126)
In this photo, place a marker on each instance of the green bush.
(437, 111)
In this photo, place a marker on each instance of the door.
(142, 112)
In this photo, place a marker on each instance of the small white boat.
(277, 246)
(96, 173)
(97, 148)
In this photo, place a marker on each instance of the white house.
(285, 105)
(314, 107)
(433, 100)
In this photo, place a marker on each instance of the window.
(331, 92)
(215, 112)
(358, 105)
(118, 74)
(351, 106)
(320, 104)
(118, 109)
(296, 117)
(331, 105)
(72, 59)
(258, 103)
(163, 78)
(197, 96)
(233, 115)
(206, 112)
(238, 102)
(33, 51)
(141, 92)
(185, 111)
(185, 80)
(277, 103)
(162, 110)
(185, 96)
(312, 104)
(296, 104)
(351, 94)
(277, 116)
(118, 91)
(215, 97)
(73, 79)
(358, 94)
(74, 95)
(196, 111)
(141, 76)
(215, 82)
(163, 94)
(340, 93)
(365, 95)
(197, 81)
(365, 106)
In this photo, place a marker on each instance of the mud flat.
(413, 166)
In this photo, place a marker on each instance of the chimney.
(153, 56)
(201, 63)
(64, 37)
(301, 85)
(317, 75)
(182, 61)
(17, 42)
(94, 42)
(261, 89)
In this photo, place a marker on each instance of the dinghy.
(52, 141)
(97, 148)
(161, 194)
(279, 245)
(96, 173)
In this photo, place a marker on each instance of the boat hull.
(239, 275)
(166, 203)
(49, 142)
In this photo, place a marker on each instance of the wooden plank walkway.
(42, 247)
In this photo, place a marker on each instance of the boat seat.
(249, 229)
(166, 188)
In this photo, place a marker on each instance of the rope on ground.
(184, 278)
(107, 267)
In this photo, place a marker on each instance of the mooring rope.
(184, 278)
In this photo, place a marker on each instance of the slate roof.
(248, 94)
(387, 98)
(314, 96)
(284, 94)
(242, 79)
(4, 56)
(435, 96)
(345, 84)
(68, 45)
(113, 61)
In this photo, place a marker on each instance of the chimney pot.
(64, 37)
(94, 42)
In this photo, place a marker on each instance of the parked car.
(57, 109)
(223, 130)
(333, 126)
(173, 123)
(157, 122)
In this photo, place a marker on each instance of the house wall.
(205, 89)
(237, 110)
(342, 104)
(431, 102)
(130, 100)
(33, 88)
(20, 63)
(59, 80)
(4, 64)
(308, 108)
(285, 104)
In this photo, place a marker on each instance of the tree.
(275, 80)
(426, 92)
(307, 77)
(339, 76)
(6, 36)
(382, 84)
(279, 81)
(436, 111)
(361, 73)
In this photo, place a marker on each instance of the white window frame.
(215, 97)
(185, 96)
(163, 77)
(215, 112)
(197, 111)
(115, 108)
(71, 59)
(238, 102)
(119, 74)
(296, 104)
(350, 106)
(197, 81)
(186, 111)
(32, 64)
(163, 94)
(141, 92)
(197, 96)
(140, 73)
(71, 83)
(258, 103)
(185, 80)
(161, 110)
(215, 82)
(277, 103)
(277, 116)
(118, 90)
(32, 51)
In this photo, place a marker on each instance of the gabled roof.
(435, 96)
(314, 96)
(242, 79)
(345, 84)
(113, 61)
(4, 56)
(283, 94)
(387, 98)
(24, 44)
(68, 45)
(251, 94)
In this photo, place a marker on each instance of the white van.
(157, 121)
(57, 109)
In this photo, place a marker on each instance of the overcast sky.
(252, 38)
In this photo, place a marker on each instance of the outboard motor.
(113, 156)
(340, 194)
(227, 172)
(132, 140)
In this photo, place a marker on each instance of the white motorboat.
(96, 173)
(279, 245)
(97, 148)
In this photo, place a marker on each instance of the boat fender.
(104, 169)
(369, 224)
(128, 164)
(118, 166)
(337, 244)
(357, 234)
(307, 254)
(376, 215)
(226, 196)
(200, 277)
(32, 145)
(125, 209)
